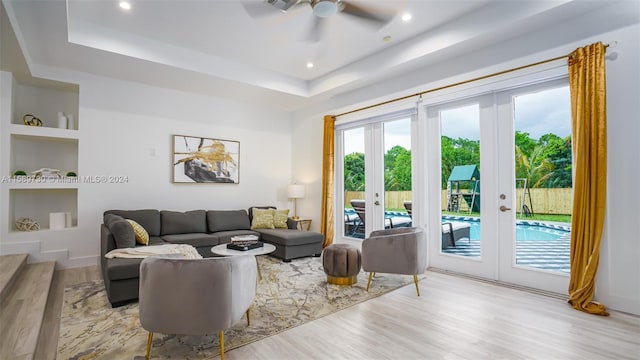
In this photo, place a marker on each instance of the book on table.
(244, 242)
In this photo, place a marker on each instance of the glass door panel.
(460, 161)
(354, 181)
(463, 135)
(535, 173)
(543, 171)
(397, 173)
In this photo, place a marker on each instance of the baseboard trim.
(550, 294)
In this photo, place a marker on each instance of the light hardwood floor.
(454, 318)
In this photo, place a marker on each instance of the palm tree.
(534, 167)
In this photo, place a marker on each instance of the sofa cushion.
(193, 239)
(149, 219)
(174, 222)
(290, 237)
(225, 220)
(122, 232)
(280, 219)
(141, 235)
(156, 240)
(262, 219)
(120, 269)
(224, 237)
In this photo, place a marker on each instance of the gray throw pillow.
(122, 234)
(110, 218)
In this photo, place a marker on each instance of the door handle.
(376, 202)
(504, 208)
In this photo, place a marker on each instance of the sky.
(548, 111)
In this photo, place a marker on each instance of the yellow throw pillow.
(142, 236)
(280, 219)
(262, 219)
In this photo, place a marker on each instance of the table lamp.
(295, 192)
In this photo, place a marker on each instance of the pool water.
(524, 230)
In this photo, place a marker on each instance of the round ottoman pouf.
(341, 263)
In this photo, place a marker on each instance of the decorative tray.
(244, 247)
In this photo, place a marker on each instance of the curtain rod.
(459, 83)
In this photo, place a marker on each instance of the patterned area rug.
(290, 294)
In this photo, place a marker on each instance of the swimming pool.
(525, 230)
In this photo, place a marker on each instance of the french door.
(475, 184)
(374, 162)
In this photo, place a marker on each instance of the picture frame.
(199, 160)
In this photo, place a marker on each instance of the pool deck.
(543, 254)
(550, 255)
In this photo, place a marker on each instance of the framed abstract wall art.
(205, 160)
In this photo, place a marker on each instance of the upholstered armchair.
(195, 297)
(395, 251)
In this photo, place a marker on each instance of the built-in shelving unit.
(30, 148)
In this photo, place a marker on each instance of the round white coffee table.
(223, 251)
(263, 250)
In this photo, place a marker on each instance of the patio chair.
(454, 231)
(408, 205)
(451, 231)
(359, 207)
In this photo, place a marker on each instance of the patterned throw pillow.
(263, 219)
(280, 219)
(142, 236)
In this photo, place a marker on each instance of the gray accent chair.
(195, 297)
(395, 251)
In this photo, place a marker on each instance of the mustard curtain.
(328, 169)
(589, 141)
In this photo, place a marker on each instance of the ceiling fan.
(322, 9)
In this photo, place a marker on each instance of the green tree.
(397, 169)
(402, 170)
(525, 142)
(533, 167)
(558, 151)
(354, 172)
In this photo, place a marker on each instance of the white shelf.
(42, 230)
(43, 132)
(38, 203)
(30, 148)
(43, 184)
(31, 152)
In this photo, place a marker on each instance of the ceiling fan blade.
(317, 29)
(259, 9)
(288, 4)
(371, 15)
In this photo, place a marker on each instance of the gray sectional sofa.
(199, 228)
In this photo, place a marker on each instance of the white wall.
(619, 268)
(125, 130)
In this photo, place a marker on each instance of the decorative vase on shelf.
(71, 125)
(62, 121)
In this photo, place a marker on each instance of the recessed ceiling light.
(406, 17)
(125, 5)
(309, 65)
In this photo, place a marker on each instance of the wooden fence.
(543, 201)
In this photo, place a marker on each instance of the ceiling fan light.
(324, 8)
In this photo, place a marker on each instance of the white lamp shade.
(295, 191)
